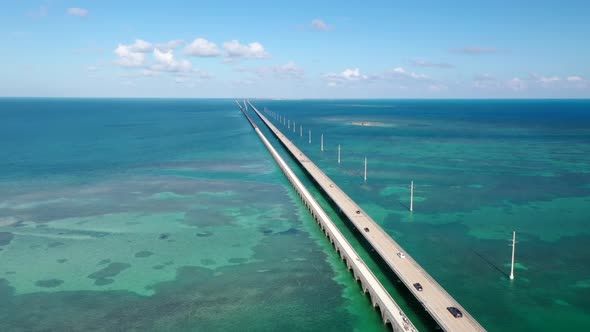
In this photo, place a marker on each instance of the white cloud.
(397, 75)
(533, 81)
(128, 57)
(352, 74)
(165, 61)
(288, 70)
(346, 76)
(401, 73)
(318, 24)
(91, 68)
(559, 82)
(255, 50)
(173, 44)
(516, 84)
(548, 80)
(78, 12)
(141, 46)
(202, 48)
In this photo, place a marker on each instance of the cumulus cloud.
(398, 75)
(346, 76)
(128, 57)
(421, 63)
(532, 81)
(77, 12)
(559, 82)
(516, 84)
(170, 45)
(574, 79)
(134, 55)
(320, 25)
(489, 82)
(255, 50)
(202, 48)
(165, 61)
(141, 46)
(475, 50)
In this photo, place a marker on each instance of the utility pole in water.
(412, 196)
(365, 169)
(513, 249)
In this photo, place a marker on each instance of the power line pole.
(513, 249)
(412, 196)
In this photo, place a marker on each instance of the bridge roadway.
(433, 297)
(390, 312)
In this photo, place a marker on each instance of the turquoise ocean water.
(170, 215)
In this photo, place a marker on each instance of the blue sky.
(296, 49)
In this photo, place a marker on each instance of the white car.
(401, 255)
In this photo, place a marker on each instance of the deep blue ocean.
(170, 214)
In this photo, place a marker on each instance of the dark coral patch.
(62, 260)
(49, 283)
(290, 231)
(109, 271)
(207, 261)
(103, 281)
(143, 253)
(158, 267)
(237, 260)
(55, 244)
(5, 238)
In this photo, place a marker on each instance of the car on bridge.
(418, 286)
(401, 255)
(455, 312)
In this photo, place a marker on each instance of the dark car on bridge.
(418, 286)
(455, 312)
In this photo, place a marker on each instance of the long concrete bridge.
(390, 312)
(433, 297)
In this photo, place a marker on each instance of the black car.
(418, 286)
(366, 229)
(455, 312)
